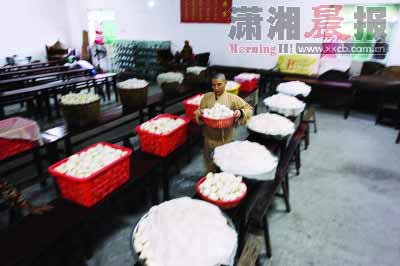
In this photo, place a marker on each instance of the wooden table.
(340, 86)
(43, 92)
(27, 81)
(28, 66)
(33, 71)
(35, 236)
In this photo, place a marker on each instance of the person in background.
(217, 137)
(187, 54)
(15, 200)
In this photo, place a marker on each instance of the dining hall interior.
(200, 133)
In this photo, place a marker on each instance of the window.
(102, 20)
(392, 13)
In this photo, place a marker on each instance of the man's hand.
(237, 113)
(39, 210)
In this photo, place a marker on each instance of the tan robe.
(217, 137)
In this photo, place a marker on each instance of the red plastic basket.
(218, 123)
(191, 108)
(10, 147)
(248, 85)
(222, 204)
(92, 189)
(163, 145)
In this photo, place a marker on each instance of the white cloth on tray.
(195, 70)
(169, 77)
(19, 128)
(185, 231)
(294, 88)
(245, 158)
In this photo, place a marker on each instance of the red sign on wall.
(206, 11)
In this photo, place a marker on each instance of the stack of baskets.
(248, 81)
(163, 145)
(17, 135)
(191, 108)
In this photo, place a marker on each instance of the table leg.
(68, 146)
(114, 82)
(38, 165)
(154, 185)
(108, 91)
(87, 240)
(2, 113)
(57, 105)
(152, 112)
(141, 115)
(46, 100)
(242, 235)
(266, 237)
(31, 107)
(53, 157)
(165, 179)
(350, 103)
(380, 107)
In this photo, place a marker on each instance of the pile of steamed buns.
(218, 111)
(79, 98)
(162, 125)
(86, 163)
(223, 186)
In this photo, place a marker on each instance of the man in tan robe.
(217, 137)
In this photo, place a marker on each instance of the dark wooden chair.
(335, 97)
(262, 195)
(389, 98)
(257, 216)
(202, 59)
(57, 51)
(335, 75)
(370, 67)
(309, 117)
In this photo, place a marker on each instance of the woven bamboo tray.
(133, 98)
(81, 115)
